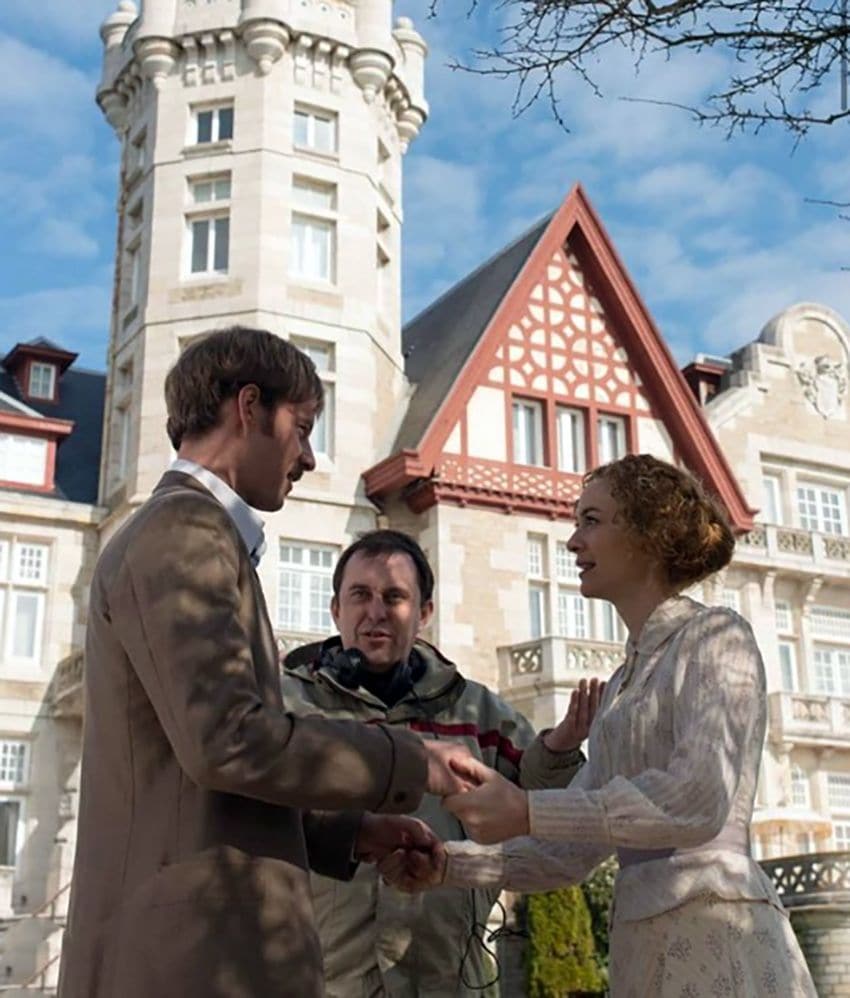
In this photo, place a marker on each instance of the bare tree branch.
(785, 51)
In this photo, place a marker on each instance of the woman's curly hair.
(670, 516)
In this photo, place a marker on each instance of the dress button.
(400, 797)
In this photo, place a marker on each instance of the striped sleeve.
(719, 696)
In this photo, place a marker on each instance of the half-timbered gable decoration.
(537, 367)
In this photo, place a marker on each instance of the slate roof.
(438, 342)
(81, 397)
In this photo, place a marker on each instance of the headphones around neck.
(347, 666)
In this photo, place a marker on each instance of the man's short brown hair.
(214, 368)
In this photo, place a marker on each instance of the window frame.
(42, 366)
(821, 522)
(526, 404)
(14, 586)
(622, 435)
(214, 109)
(209, 212)
(313, 114)
(306, 573)
(577, 418)
(312, 216)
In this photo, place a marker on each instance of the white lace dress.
(669, 785)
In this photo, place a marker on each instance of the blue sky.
(716, 233)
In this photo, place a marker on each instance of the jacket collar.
(664, 621)
(245, 519)
(438, 677)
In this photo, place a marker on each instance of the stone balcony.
(538, 676)
(809, 719)
(790, 548)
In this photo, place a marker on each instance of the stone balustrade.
(813, 718)
(790, 546)
(538, 676)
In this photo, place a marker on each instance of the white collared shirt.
(245, 519)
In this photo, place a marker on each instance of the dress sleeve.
(527, 863)
(719, 692)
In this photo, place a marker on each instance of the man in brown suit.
(203, 803)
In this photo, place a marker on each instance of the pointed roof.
(449, 345)
(438, 342)
(41, 348)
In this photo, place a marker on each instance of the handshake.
(409, 855)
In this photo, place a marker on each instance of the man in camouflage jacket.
(376, 941)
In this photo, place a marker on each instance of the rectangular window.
(830, 622)
(772, 503)
(612, 438)
(612, 626)
(799, 788)
(305, 574)
(536, 548)
(572, 615)
(14, 758)
(10, 820)
(214, 124)
(537, 615)
(324, 357)
(822, 509)
(316, 130)
(784, 620)
(832, 671)
(838, 791)
(313, 244)
(841, 836)
(787, 666)
(23, 459)
(209, 225)
(571, 434)
(42, 380)
(565, 563)
(23, 584)
(124, 420)
(528, 432)
(134, 274)
(731, 599)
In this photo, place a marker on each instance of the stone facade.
(262, 147)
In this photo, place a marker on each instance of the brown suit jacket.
(201, 799)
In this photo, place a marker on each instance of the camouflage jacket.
(377, 941)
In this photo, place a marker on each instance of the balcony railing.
(809, 717)
(791, 546)
(812, 879)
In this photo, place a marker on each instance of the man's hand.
(495, 811)
(413, 871)
(574, 727)
(381, 834)
(443, 777)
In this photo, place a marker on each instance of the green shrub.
(598, 891)
(560, 957)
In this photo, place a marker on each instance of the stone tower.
(260, 184)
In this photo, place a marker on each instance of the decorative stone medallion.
(824, 384)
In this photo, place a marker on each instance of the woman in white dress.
(672, 766)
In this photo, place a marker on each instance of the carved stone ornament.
(824, 384)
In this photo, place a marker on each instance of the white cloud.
(42, 96)
(71, 21)
(77, 318)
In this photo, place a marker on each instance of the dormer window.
(42, 381)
